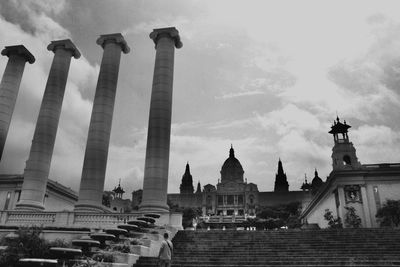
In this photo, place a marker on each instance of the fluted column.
(155, 182)
(95, 161)
(18, 55)
(38, 165)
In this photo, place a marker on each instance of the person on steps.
(166, 250)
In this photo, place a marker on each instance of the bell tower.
(343, 152)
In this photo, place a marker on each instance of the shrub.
(59, 243)
(389, 213)
(103, 257)
(27, 244)
(281, 215)
(351, 219)
(333, 222)
(122, 248)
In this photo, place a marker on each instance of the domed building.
(233, 195)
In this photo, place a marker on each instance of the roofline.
(365, 171)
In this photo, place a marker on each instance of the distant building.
(57, 197)
(232, 195)
(117, 203)
(352, 184)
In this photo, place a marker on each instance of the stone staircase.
(344, 247)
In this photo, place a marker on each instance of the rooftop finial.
(231, 152)
(187, 169)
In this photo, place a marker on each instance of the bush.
(103, 257)
(281, 215)
(351, 219)
(122, 248)
(27, 244)
(333, 222)
(389, 213)
(188, 214)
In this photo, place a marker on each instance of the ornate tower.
(187, 182)
(118, 191)
(198, 190)
(281, 183)
(305, 186)
(343, 152)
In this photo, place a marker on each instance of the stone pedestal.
(155, 182)
(38, 165)
(9, 86)
(95, 162)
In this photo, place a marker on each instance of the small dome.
(316, 182)
(232, 170)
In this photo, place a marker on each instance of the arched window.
(251, 198)
(346, 160)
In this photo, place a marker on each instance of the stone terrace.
(344, 247)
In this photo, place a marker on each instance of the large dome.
(232, 169)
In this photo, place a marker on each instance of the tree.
(106, 201)
(389, 213)
(188, 214)
(26, 244)
(281, 215)
(351, 219)
(333, 222)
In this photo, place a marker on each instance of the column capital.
(18, 50)
(65, 44)
(115, 38)
(170, 32)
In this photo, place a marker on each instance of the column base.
(82, 207)
(153, 207)
(26, 205)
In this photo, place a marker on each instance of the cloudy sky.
(265, 76)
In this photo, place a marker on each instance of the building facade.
(57, 197)
(233, 194)
(365, 187)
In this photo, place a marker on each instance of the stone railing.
(80, 219)
(32, 218)
(87, 219)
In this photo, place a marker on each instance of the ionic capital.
(170, 32)
(18, 50)
(115, 38)
(66, 45)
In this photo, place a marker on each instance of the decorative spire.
(281, 183)
(315, 173)
(187, 170)
(280, 167)
(186, 186)
(305, 177)
(198, 191)
(231, 152)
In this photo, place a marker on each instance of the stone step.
(345, 247)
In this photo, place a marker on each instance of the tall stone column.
(38, 165)
(9, 86)
(155, 182)
(95, 162)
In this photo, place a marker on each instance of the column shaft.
(38, 165)
(95, 161)
(9, 86)
(155, 182)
